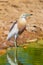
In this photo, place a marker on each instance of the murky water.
(25, 56)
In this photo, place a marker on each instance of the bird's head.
(25, 15)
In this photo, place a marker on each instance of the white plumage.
(13, 32)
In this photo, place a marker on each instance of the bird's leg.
(15, 50)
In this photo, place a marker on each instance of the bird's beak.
(29, 14)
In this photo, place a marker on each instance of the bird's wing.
(12, 30)
(13, 25)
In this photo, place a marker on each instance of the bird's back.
(12, 26)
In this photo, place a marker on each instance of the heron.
(17, 28)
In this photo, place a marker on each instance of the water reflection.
(25, 56)
(22, 56)
(15, 58)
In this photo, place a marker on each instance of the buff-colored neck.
(22, 20)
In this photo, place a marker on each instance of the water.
(25, 56)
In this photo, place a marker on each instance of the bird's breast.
(21, 27)
(21, 24)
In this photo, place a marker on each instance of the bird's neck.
(22, 20)
(21, 23)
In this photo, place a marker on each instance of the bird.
(17, 28)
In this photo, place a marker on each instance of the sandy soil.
(10, 10)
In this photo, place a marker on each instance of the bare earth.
(10, 10)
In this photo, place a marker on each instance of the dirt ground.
(10, 10)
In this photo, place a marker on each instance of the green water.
(25, 56)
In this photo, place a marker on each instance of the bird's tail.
(9, 36)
